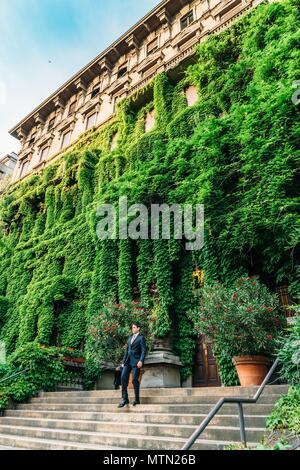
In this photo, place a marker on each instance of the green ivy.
(236, 151)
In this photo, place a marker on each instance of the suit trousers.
(135, 381)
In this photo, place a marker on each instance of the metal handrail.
(239, 402)
(16, 374)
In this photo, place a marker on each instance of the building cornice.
(161, 12)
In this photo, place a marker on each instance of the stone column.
(162, 366)
(106, 380)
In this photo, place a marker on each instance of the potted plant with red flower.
(110, 329)
(245, 320)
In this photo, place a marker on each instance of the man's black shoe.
(136, 402)
(123, 403)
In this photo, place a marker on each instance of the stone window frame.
(63, 134)
(187, 16)
(32, 138)
(72, 108)
(23, 163)
(92, 113)
(124, 68)
(95, 91)
(155, 49)
(42, 149)
(51, 121)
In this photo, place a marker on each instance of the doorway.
(205, 370)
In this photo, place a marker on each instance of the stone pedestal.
(188, 383)
(162, 369)
(107, 378)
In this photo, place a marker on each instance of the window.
(95, 91)
(191, 94)
(114, 141)
(32, 139)
(149, 121)
(186, 20)
(24, 168)
(122, 71)
(51, 124)
(66, 138)
(152, 46)
(91, 121)
(44, 153)
(72, 108)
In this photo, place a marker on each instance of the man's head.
(135, 328)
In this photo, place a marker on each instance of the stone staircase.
(166, 418)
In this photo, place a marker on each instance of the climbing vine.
(236, 151)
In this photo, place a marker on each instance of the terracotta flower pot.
(251, 369)
(78, 360)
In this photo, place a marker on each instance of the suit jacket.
(136, 351)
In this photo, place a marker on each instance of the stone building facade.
(163, 40)
(8, 164)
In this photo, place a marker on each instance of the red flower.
(249, 309)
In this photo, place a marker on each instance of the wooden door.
(205, 369)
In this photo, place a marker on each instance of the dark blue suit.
(135, 352)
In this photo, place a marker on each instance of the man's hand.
(139, 364)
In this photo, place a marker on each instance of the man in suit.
(133, 360)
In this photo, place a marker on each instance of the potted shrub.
(245, 320)
(110, 329)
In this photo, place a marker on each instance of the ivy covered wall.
(236, 151)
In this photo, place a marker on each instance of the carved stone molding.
(226, 6)
(186, 35)
(45, 140)
(105, 65)
(39, 118)
(59, 103)
(89, 108)
(68, 123)
(164, 17)
(133, 42)
(150, 61)
(81, 86)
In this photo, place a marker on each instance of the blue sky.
(44, 42)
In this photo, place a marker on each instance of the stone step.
(24, 443)
(82, 420)
(145, 429)
(10, 448)
(151, 418)
(144, 400)
(133, 441)
(257, 409)
(195, 391)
